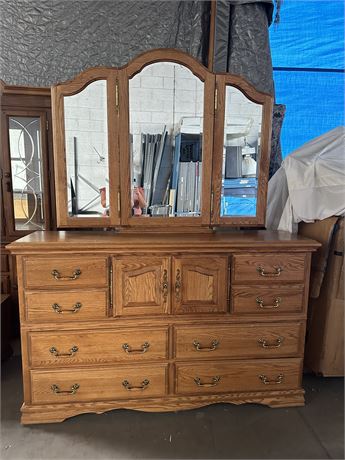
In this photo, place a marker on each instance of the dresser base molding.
(54, 413)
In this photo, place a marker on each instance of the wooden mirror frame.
(208, 78)
(71, 88)
(119, 161)
(266, 100)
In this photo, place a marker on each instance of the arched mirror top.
(166, 55)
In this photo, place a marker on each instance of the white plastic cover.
(310, 184)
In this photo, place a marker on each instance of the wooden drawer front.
(264, 340)
(141, 285)
(224, 377)
(66, 306)
(200, 284)
(93, 272)
(267, 299)
(76, 348)
(268, 267)
(98, 384)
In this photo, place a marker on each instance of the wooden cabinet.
(160, 321)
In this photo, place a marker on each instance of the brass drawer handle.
(55, 352)
(198, 347)
(76, 307)
(274, 274)
(165, 285)
(75, 275)
(265, 344)
(178, 284)
(128, 349)
(276, 304)
(215, 381)
(279, 379)
(72, 391)
(129, 387)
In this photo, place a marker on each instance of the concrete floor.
(218, 431)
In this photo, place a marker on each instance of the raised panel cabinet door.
(141, 285)
(200, 284)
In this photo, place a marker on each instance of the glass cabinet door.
(241, 154)
(85, 187)
(168, 145)
(24, 164)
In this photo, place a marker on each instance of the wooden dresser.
(160, 322)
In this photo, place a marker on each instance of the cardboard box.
(324, 352)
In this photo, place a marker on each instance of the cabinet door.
(25, 183)
(141, 285)
(200, 284)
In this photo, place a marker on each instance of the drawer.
(236, 341)
(224, 377)
(75, 348)
(66, 306)
(267, 299)
(268, 267)
(82, 385)
(71, 272)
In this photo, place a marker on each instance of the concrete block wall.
(238, 113)
(163, 94)
(86, 119)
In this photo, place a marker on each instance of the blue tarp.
(308, 60)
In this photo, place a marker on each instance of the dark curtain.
(242, 41)
(242, 48)
(43, 42)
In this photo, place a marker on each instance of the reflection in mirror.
(166, 105)
(86, 142)
(27, 172)
(241, 154)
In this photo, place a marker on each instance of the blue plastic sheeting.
(310, 35)
(239, 197)
(308, 59)
(314, 105)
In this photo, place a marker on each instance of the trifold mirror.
(160, 142)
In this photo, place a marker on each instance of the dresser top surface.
(147, 242)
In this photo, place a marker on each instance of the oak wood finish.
(38, 272)
(141, 285)
(275, 299)
(268, 268)
(53, 413)
(109, 346)
(98, 384)
(41, 305)
(88, 350)
(199, 284)
(224, 377)
(237, 341)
